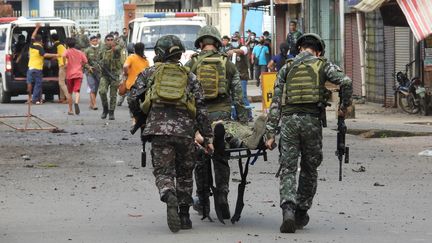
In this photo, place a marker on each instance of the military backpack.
(211, 72)
(169, 86)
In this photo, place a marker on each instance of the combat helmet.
(167, 46)
(208, 31)
(314, 36)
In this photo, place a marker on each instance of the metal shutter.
(389, 49)
(403, 47)
(352, 53)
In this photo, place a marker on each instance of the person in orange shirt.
(134, 65)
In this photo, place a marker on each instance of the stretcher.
(250, 157)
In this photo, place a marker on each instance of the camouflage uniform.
(111, 60)
(301, 134)
(172, 131)
(219, 109)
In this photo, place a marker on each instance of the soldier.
(82, 40)
(299, 90)
(221, 83)
(93, 72)
(111, 66)
(173, 101)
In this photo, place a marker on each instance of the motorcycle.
(410, 93)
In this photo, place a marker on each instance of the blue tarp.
(254, 19)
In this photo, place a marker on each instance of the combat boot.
(173, 218)
(185, 222)
(104, 112)
(111, 115)
(301, 218)
(288, 222)
(223, 204)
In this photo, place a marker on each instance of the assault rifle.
(105, 72)
(342, 150)
(139, 123)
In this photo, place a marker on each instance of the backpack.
(168, 86)
(304, 84)
(211, 72)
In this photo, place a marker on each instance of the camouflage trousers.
(173, 162)
(105, 85)
(301, 135)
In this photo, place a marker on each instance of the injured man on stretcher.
(237, 135)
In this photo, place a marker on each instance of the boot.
(111, 115)
(258, 131)
(223, 204)
(301, 218)
(173, 218)
(185, 222)
(288, 222)
(104, 111)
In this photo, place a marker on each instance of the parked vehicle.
(15, 39)
(410, 93)
(155, 25)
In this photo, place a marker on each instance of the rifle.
(342, 150)
(104, 70)
(139, 123)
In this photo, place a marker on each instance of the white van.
(15, 38)
(155, 25)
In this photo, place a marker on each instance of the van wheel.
(49, 97)
(5, 97)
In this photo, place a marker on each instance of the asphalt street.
(86, 185)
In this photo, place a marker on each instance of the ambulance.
(152, 26)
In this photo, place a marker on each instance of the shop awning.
(419, 16)
(369, 5)
(417, 13)
(258, 3)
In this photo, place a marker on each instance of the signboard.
(267, 84)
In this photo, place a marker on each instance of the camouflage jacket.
(111, 58)
(332, 73)
(235, 96)
(92, 54)
(169, 120)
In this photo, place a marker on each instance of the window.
(2, 39)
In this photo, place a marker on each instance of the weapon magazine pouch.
(211, 72)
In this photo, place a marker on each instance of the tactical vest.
(304, 84)
(211, 72)
(169, 86)
(242, 66)
(111, 59)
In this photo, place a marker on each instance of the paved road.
(86, 185)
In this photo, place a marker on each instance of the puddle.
(419, 123)
(385, 133)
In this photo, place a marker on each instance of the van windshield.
(186, 33)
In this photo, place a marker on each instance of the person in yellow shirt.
(60, 48)
(35, 66)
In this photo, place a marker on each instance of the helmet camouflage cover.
(314, 36)
(168, 45)
(208, 31)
